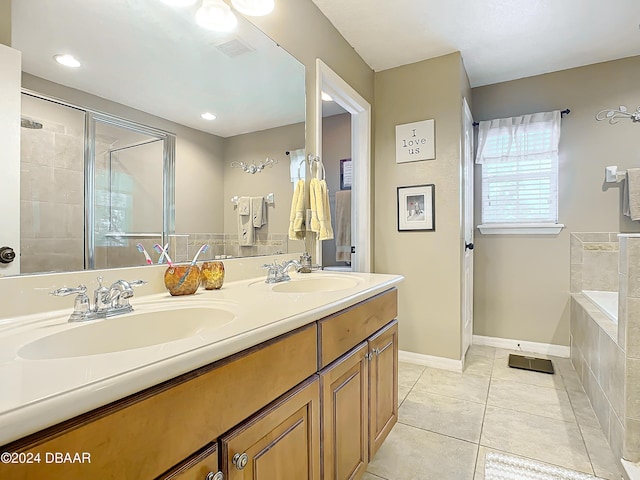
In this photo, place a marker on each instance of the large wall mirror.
(152, 71)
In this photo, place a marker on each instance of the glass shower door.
(130, 168)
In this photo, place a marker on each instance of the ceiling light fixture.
(253, 8)
(67, 60)
(326, 97)
(180, 3)
(208, 116)
(216, 15)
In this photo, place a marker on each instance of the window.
(519, 158)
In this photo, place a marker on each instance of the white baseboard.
(430, 361)
(533, 347)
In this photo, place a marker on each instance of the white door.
(467, 225)
(10, 81)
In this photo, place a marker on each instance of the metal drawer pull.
(214, 476)
(240, 460)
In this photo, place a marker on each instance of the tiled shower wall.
(594, 261)
(606, 356)
(629, 324)
(52, 218)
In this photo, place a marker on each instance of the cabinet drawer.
(146, 434)
(201, 466)
(341, 332)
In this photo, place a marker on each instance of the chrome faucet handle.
(81, 305)
(64, 291)
(138, 283)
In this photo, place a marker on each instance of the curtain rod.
(564, 112)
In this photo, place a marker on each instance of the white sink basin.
(324, 283)
(127, 332)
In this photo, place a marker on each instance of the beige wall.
(522, 282)
(5, 22)
(251, 148)
(430, 261)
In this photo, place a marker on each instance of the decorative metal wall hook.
(253, 168)
(615, 115)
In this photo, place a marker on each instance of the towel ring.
(299, 165)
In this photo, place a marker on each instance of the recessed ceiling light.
(208, 116)
(216, 15)
(326, 97)
(67, 60)
(253, 8)
(180, 3)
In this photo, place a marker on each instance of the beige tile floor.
(448, 421)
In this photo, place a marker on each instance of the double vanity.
(297, 377)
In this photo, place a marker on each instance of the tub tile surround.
(607, 356)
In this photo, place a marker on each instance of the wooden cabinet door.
(281, 442)
(201, 466)
(383, 385)
(344, 391)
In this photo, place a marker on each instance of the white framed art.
(415, 141)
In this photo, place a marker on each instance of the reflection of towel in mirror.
(343, 226)
(323, 211)
(244, 204)
(631, 194)
(245, 222)
(258, 211)
(296, 218)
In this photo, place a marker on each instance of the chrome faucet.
(107, 302)
(277, 272)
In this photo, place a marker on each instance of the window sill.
(521, 228)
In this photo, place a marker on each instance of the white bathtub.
(605, 301)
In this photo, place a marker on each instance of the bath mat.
(499, 466)
(524, 362)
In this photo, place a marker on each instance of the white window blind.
(519, 158)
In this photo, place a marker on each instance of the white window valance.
(528, 137)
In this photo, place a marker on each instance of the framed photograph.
(346, 174)
(415, 141)
(416, 208)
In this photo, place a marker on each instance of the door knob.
(7, 255)
(468, 246)
(240, 460)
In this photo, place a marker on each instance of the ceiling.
(152, 57)
(499, 40)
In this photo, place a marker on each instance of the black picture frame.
(416, 208)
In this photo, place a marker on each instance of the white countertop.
(40, 393)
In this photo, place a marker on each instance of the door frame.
(10, 99)
(344, 95)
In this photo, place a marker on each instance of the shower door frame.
(168, 175)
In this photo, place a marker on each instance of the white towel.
(296, 218)
(245, 222)
(258, 211)
(244, 204)
(343, 226)
(631, 194)
(245, 231)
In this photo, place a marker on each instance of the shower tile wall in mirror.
(150, 63)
